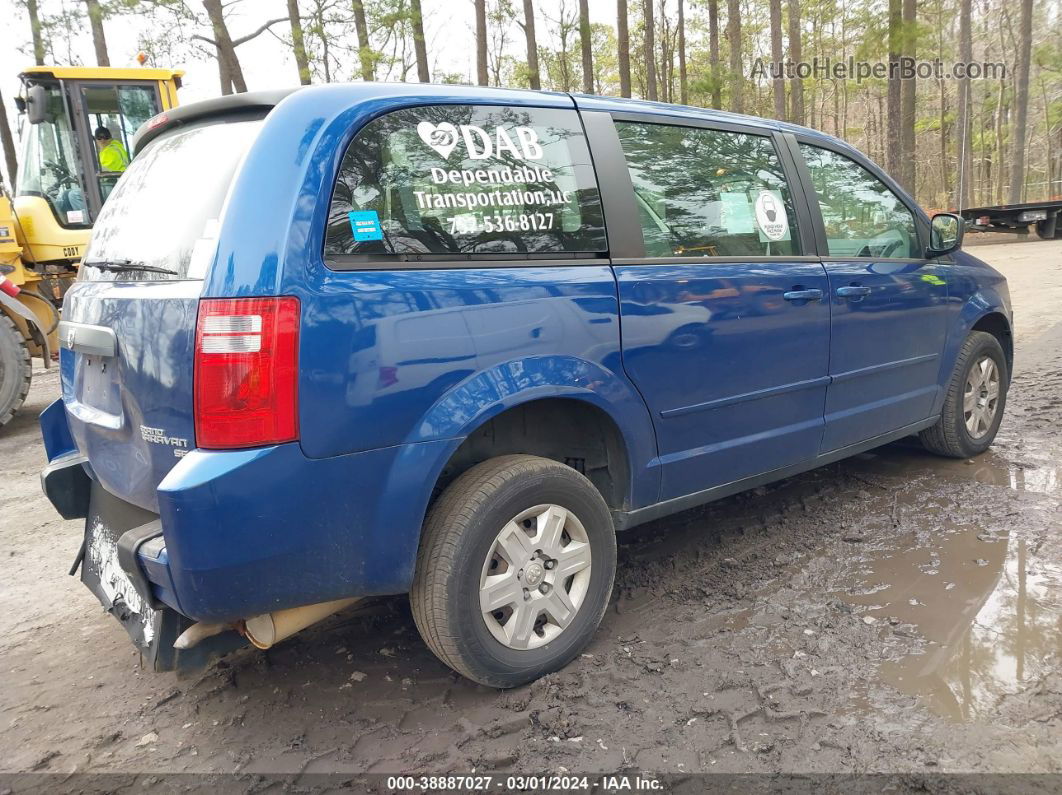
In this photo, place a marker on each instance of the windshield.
(48, 167)
(165, 210)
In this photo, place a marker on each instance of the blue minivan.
(355, 340)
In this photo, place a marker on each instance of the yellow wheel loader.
(76, 127)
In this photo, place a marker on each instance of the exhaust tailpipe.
(269, 628)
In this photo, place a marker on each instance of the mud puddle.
(979, 592)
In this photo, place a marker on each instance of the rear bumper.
(245, 532)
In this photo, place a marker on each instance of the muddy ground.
(893, 612)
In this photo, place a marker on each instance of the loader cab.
(62, 180)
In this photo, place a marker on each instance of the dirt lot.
(893, 612)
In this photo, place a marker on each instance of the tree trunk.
(584, 42)
(684, 91)
(298, 44)
(778, 83)
(99, 40)
(796, 85)
(419, 46)
(713, 53)
(534, 76)
(623, 47)
(8, 141)
(482, 76)
(894, 123)
(733, 32)
(326, 55)
(368, 72)
(228, 64)
(908, 94)
(1000, 153)
(963, 125)
(35, 31)
(1021, 103)
(649, 51)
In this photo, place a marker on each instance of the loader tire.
(15, 369)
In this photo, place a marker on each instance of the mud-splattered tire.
(952, 436)
(471, 533)
(15, 369)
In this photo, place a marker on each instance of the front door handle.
(802, 295)
(854, 291)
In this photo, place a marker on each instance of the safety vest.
(113, 157)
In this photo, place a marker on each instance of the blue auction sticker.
(366, 225)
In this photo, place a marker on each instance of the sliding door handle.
(802, 295)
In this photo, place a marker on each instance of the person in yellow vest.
(112, 154)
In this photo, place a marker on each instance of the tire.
(1049, 229)
(951, 436)
(15, 369)
(460, 548)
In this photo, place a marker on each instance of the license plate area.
(97, 388)
(108, 519)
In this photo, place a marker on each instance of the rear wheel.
(515, 570)
(973, 406)
(15, 369)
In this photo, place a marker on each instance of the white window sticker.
(771, 218)
(75, 216)
(522, 143)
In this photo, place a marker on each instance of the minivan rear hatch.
(128, 330)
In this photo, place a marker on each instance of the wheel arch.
(549, 390)
(571, 429)
(996, 324)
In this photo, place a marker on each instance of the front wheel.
(973, 406)
(514, 571)
(15, 369)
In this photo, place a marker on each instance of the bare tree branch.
(262, 29)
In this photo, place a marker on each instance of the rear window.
(164, 211)
(465, 180)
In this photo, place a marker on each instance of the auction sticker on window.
(771, 219)
(366, 225)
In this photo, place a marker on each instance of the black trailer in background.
(1016, 218)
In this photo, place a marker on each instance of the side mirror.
(945, 234)
(37, 104)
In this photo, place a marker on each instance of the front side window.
(863, 218)
(48, 167)
(114, 114)
(708, 193)
(466, 180)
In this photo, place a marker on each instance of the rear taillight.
(246, 372)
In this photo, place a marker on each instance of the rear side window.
(466, 180)
(708, 193)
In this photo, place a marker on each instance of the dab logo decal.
(479, 143)
(770, 216)
(440, 137)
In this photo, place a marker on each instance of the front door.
(888, 304)
(725, 326)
